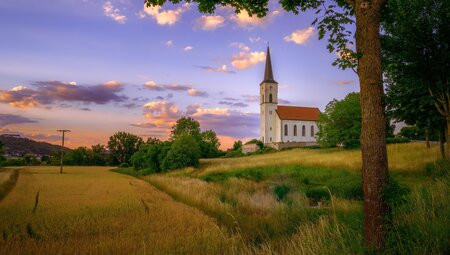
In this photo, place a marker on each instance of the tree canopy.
(122, 146)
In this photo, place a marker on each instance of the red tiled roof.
(298, 113)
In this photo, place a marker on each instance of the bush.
(281, 191)
(318, 194)
(184, 152)
(124, 165)
(397, 139)
(234, 154)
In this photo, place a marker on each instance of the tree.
(98, 156)
(341, 122)
(416, 50)
(184, 152)
(209, 144)
(333, 20)
(186, 126)
(237, 145)
(122, 146)
(411, 103)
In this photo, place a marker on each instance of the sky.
(97, 67)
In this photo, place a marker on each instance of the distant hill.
(18, 146)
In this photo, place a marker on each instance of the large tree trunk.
(427, 137)
(442, 141)
(373, 129)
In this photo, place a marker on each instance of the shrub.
(318, 194)
(184, 152)
(397, 139)
(234, 154)
(124, 165)
(281, 191)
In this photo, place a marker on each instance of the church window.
(271, 139)
(312, 131)
(295, 130)
(262, 98)
(270, 98)
(286, 130)
(303, 130)
(270, 112)
(270, 128)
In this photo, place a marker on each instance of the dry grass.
(401, 157)
(90, 210)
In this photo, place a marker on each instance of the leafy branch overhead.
(332, 20)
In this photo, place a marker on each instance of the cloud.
(300, 36)
(251, 98)
(233, 104)
(169, 43)
(283, 101)
(254, 39)
(164, 17)
(245, 60)
(197, 93)
(163, 114)
(144, 125)
(49, 92)
(151, 85)
(343, 82)
(222, 69)
(242, 19)
(12, 119)
(188, 48)
(240, 46)
(210, 22)
(110, 11)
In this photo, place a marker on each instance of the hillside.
(18, 146)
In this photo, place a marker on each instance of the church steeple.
(268, 74)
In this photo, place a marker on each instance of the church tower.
(268, 103)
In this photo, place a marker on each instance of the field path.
(91, 210)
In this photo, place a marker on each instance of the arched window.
(285, 130)
(262, 98)
(270, 98)
(312, 131)
(295, 130)
(303, 130)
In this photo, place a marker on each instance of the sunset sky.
(97, 67)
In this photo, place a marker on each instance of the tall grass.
(402, 158)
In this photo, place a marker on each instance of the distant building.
(284, 126)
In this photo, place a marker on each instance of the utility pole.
(62, 148)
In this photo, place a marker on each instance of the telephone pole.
(62, 148)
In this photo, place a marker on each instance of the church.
(284, 126)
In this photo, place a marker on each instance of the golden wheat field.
(91, 210)
(223, 207)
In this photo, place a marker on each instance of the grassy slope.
(93, 210)
(241, 194)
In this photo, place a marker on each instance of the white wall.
(299, 138)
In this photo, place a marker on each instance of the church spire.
(268, 74)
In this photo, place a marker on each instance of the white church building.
(284, 126)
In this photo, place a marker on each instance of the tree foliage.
(122, 146)
(416, 55)
(341, 122)
(183, 152)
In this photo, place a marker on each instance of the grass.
(300, 201)
(93, 210)
(272, 199)
(8, 179)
